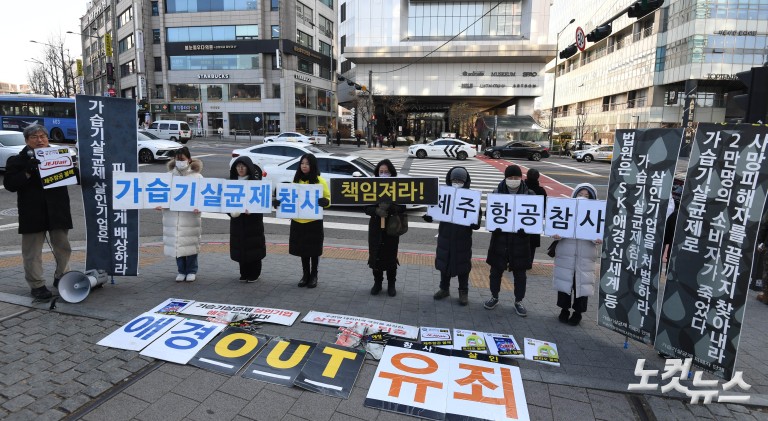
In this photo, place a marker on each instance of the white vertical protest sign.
(443, 210)
(590, 219)
(466, 209)
(309, 195)
(234, 195)
(499, 212)
(529, 213)
(157, 189)
(288, 195)
(128, 190)
(209, 195)
(259, 196)
(184, 193)
(560, 217)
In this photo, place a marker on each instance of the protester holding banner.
(306, 235)
(382, 247)
(41, 211)
(247, 244)
(454, 245)
(182, 230)
(532, 181)
(509, 250)
(575, 271)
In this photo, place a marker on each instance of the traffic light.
(641, 8)
(600, 33)
(110, 73)
(568, 51)
(755, 101)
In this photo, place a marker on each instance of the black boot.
(304, 280)
(312, 280)
(575, 318)
(378, 279)
(391, 279)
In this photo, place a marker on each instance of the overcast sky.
(24, 20)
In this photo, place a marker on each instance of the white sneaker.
(191, 277)
(180, 277)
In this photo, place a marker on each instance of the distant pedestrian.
(509, 250)
(382, 247)
(532, 181)
(247, 244)
(393, 140)
(454, 245)
(574, 275)
(182, 229)
(357, 137)
(338, 138)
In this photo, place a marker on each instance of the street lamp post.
(98, 40)
(63, 64)
(554, 84)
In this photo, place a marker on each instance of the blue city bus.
(55, 114)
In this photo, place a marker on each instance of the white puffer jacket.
(182, 230)
(577, 257)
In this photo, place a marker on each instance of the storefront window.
(183, 92)
(323, 100)
(311, 124)
(301, 123)
(213, 92)
(253, 122)
(312, 98)
(245, 92)
(301, 96)
(322, 124)
(217, 62)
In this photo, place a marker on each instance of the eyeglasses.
(38, 136)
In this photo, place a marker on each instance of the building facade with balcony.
(642, 74)
(261, 66)
(488, 56)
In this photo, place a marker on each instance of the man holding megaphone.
(41, 211)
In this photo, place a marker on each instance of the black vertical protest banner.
(106, 133)
(711, 256)
(639, 190)
(331, 370)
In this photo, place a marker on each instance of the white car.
(274, 153)
(600, 153)
(293, 137)
(443, 148)
(152, 148)
(12, 142)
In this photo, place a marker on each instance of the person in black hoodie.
(509, 250)
(454, 245)
(41, 212)
(247, 244)
(532, 181)
(382, 248)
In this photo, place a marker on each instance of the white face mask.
(512, 184)
(385, 174)
(457, 184)
(182, 165)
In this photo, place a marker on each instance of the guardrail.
(242, 133)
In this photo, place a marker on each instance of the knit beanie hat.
(459, 174)
(513, 170)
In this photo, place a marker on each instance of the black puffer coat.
(39, 209)
(510, 250)
(246, 232)
(382, 248)
(535, 187)
(454, 242)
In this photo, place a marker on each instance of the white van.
(175, 130)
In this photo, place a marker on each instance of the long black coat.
(247, 242)
(536, 189)
(39, 209)
(382, 248)
(454, 243)
(510, 249)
